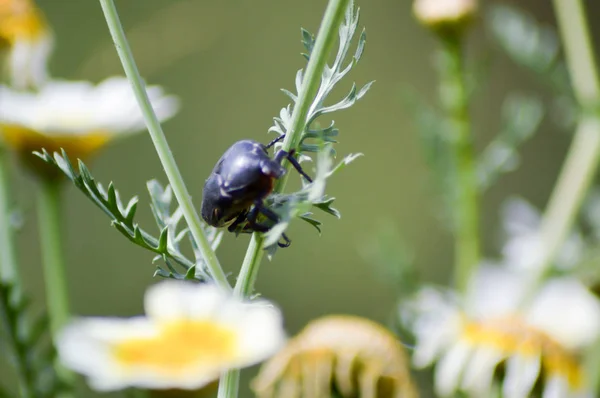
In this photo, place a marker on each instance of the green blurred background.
(227, 61)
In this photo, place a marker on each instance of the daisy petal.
(450, 368)
(479, 371)
(521, 375)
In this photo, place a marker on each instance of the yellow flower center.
(178, 345)
(25, 141)
(512, 336)
(20, 19)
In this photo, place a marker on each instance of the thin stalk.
(466, 204)
(57, 298)
(9, 271)
(583, 156)
(55, 276)
(328, 31)
(160, 143)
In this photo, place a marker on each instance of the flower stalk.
(55, 275)
(465, 194)
(325, 39)
(49, 216)
(582, 158)
(160, 143)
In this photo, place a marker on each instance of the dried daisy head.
(344, 355)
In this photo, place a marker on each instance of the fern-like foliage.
(23, 341)
(162, 202)
(314, 138)
(166, 245)
(300, 204)
(332, 75)
(521, 118)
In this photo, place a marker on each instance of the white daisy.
(470, 339)
(77, 116)
(190, 335)
(353, 356)
(27, 37)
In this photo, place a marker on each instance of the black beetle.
(240, 181)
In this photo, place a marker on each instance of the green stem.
(582, 159)
(455, 100)
(55, 276)
(584, 154)
(9, 271)
(334, 14)
(52, 255)
(160, 143)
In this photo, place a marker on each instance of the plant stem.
(160, 143)
(582, 159)
(584, 154)
(9, 271)
(52, 255)
(465, 195)
(55, 276)
(229, 384)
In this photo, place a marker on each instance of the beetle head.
(217, 209)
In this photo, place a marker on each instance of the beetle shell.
(242, 176)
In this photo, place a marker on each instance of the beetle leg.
(239, 219)
(297, 166)
(259, 208)
(275, 141)
(280, 155)
(271, 215)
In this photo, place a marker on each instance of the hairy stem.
(160, 143)
(465, 194)
(325, 39)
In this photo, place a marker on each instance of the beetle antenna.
(275, 141)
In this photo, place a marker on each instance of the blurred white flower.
(190, 335)
(78, 116)
(469, 339)
(523, 247)
(27, 37)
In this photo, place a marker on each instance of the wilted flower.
(442, 14)
(491, 328)
(191, 334)
(351, 355)
(77, 116)
(26, 35)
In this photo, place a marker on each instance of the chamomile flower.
(354, 356)
(469, 339)
(191, 334)
(75, 115)
(27, 37)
